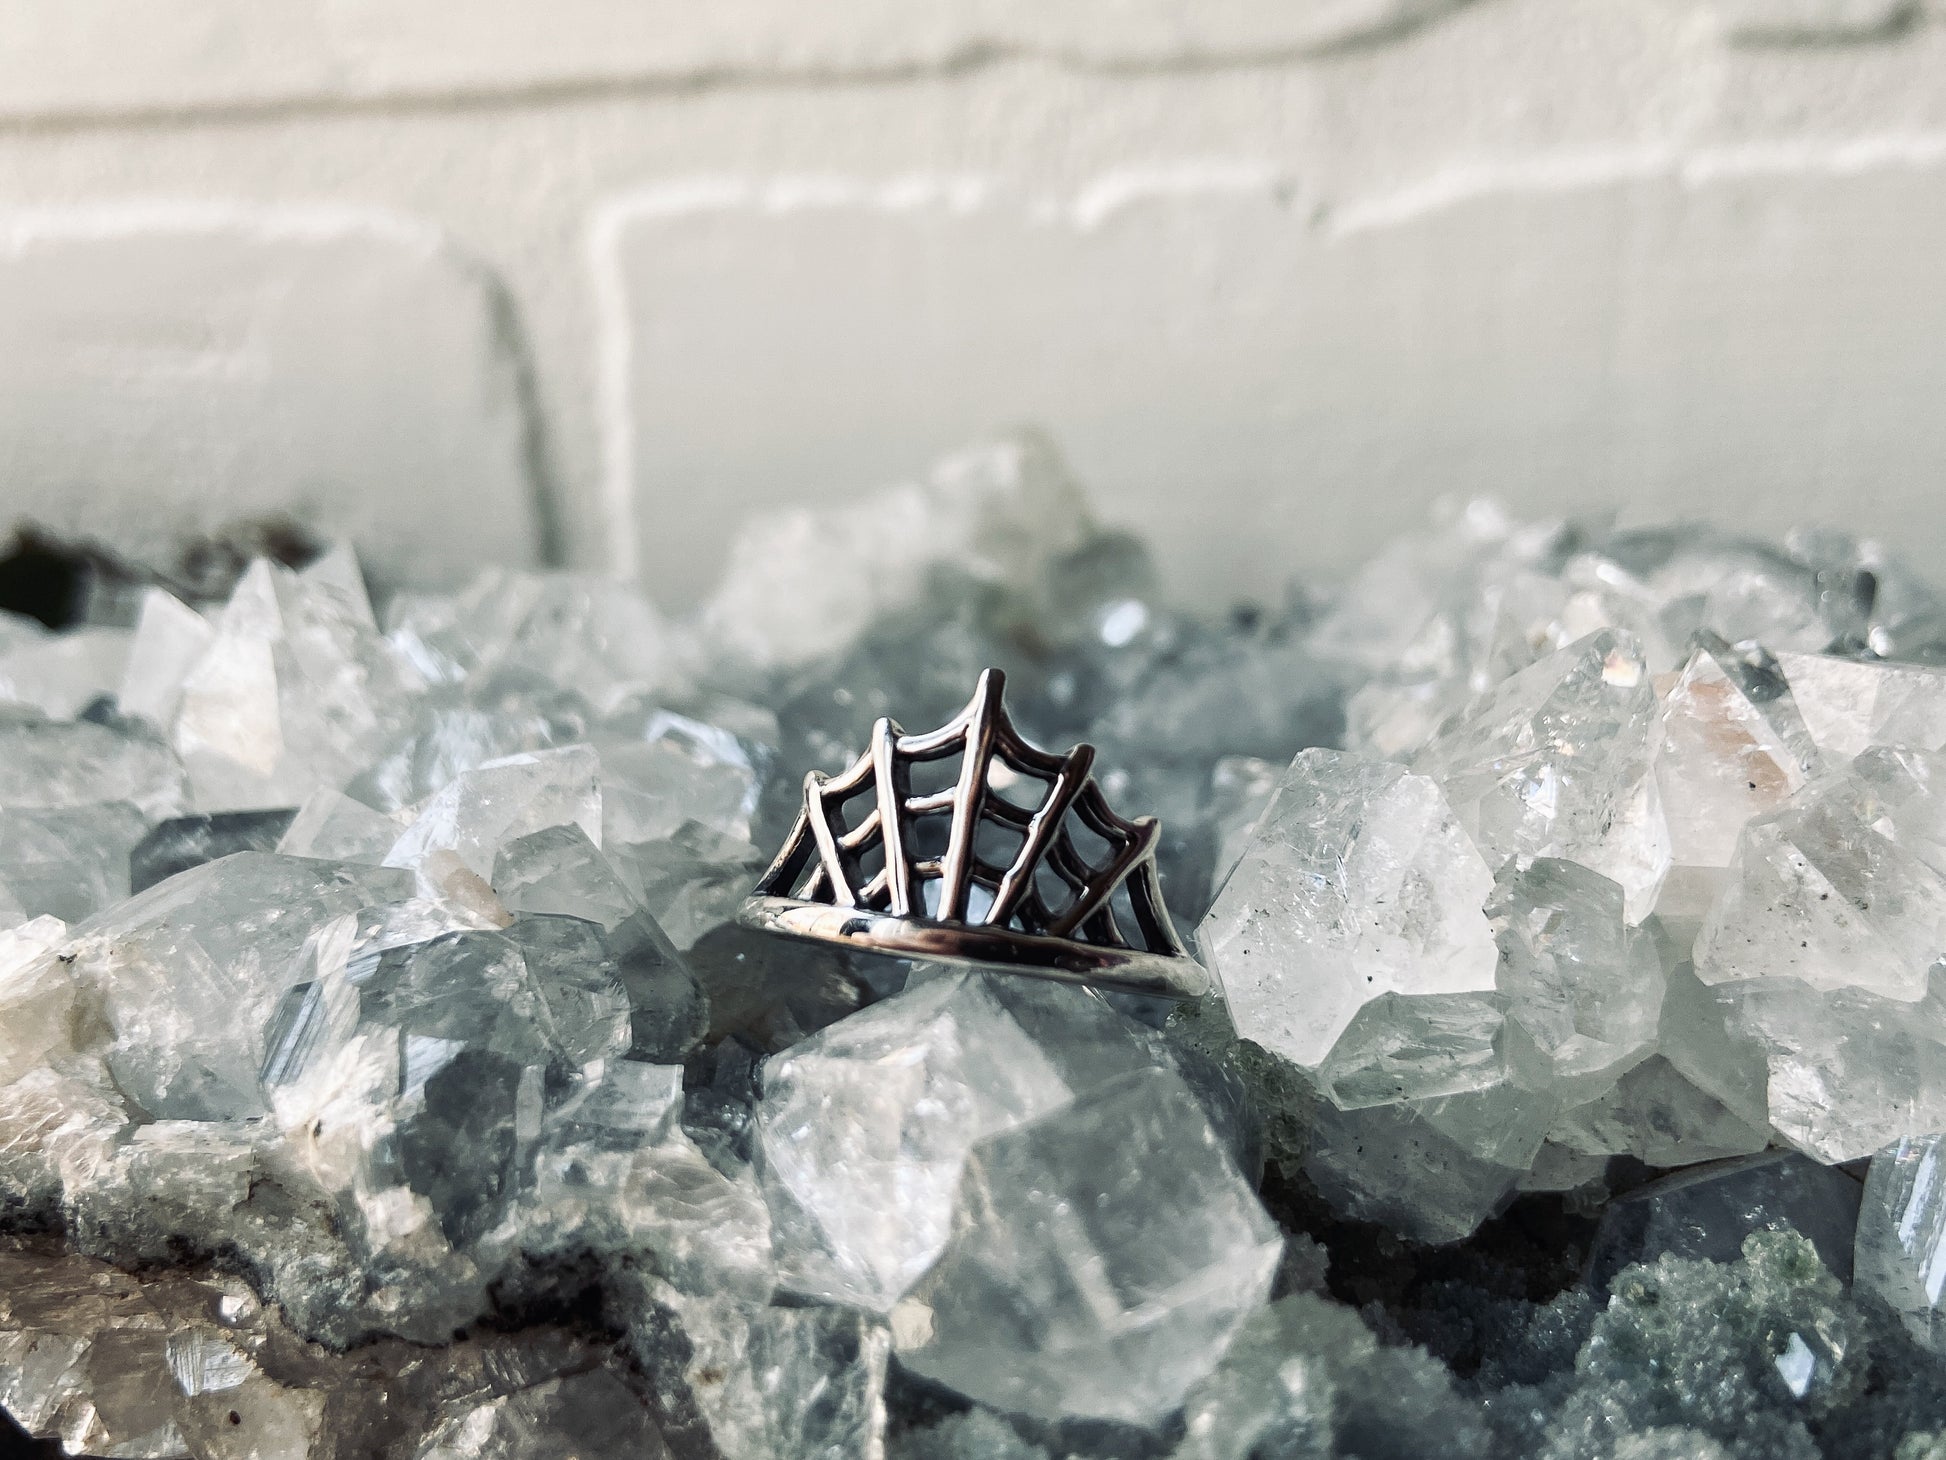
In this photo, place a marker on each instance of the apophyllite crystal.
(864, 1128)
(383, 1076)
(1900, 1254)
(1099, 1261)
(1359, 882)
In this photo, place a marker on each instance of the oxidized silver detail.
(971, 874)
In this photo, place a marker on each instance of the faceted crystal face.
(1657, 1115)
(1359, 882)
(559, 870)
(1900, 1254)
(591, 632)
(1547, 763)
(170, 637)
(1847, 1071)
(46, 765)
(453, 1044)
(188, 973)
(482, 810)
(1584, 988)
(1101, 1257)
(295, 690)
(1433, 1168)
(681, 770)
(1001, 512)
(1733, 746)
(695, 881)
(336, 828)
(1402, 1047)
(1851, 705)
(616, 1173)
(1840, 887)
(67, 863)
(1403, 611)
(864, 1128)
(787, 1381)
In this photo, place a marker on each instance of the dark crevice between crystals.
(16, 1445)
(1531, 1253)
(64, 582)
(183, 842)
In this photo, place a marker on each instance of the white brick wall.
(588, 279)
(189, 364)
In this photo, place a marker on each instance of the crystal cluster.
(382, 1072)
(1698, 774)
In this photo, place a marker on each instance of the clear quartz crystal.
(615, 1172)
(482, 810)
(694, 881)
(1583, 986)
(1100, 1259)
(1900, 1252)
(170, 637)
(406, 1043)
(1002, 512)
(1406, 1047)
(1843, 886)
(295, 690)
(797, 1382)
(333, 826)
(1657, 1115)
(894, 1098)
(188, 973)
(1434, 1105)
(1548, 762)
(67, 863)
(1848, 1071)
(1433, 1168)
(47, 764)
(1358, 882)
(558, 870)
(1732, 746)
(585, 631)
(680, 770)
(1850, 705)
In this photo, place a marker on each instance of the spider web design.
(878, 862)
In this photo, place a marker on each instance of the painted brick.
(105, 56)
(171, 369)
(1266, 390)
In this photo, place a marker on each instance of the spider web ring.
(919, 906)
(1124, 970)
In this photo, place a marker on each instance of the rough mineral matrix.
(382, 1073)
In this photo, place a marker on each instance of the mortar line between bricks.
(973, 59)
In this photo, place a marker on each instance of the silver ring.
(870, 865)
